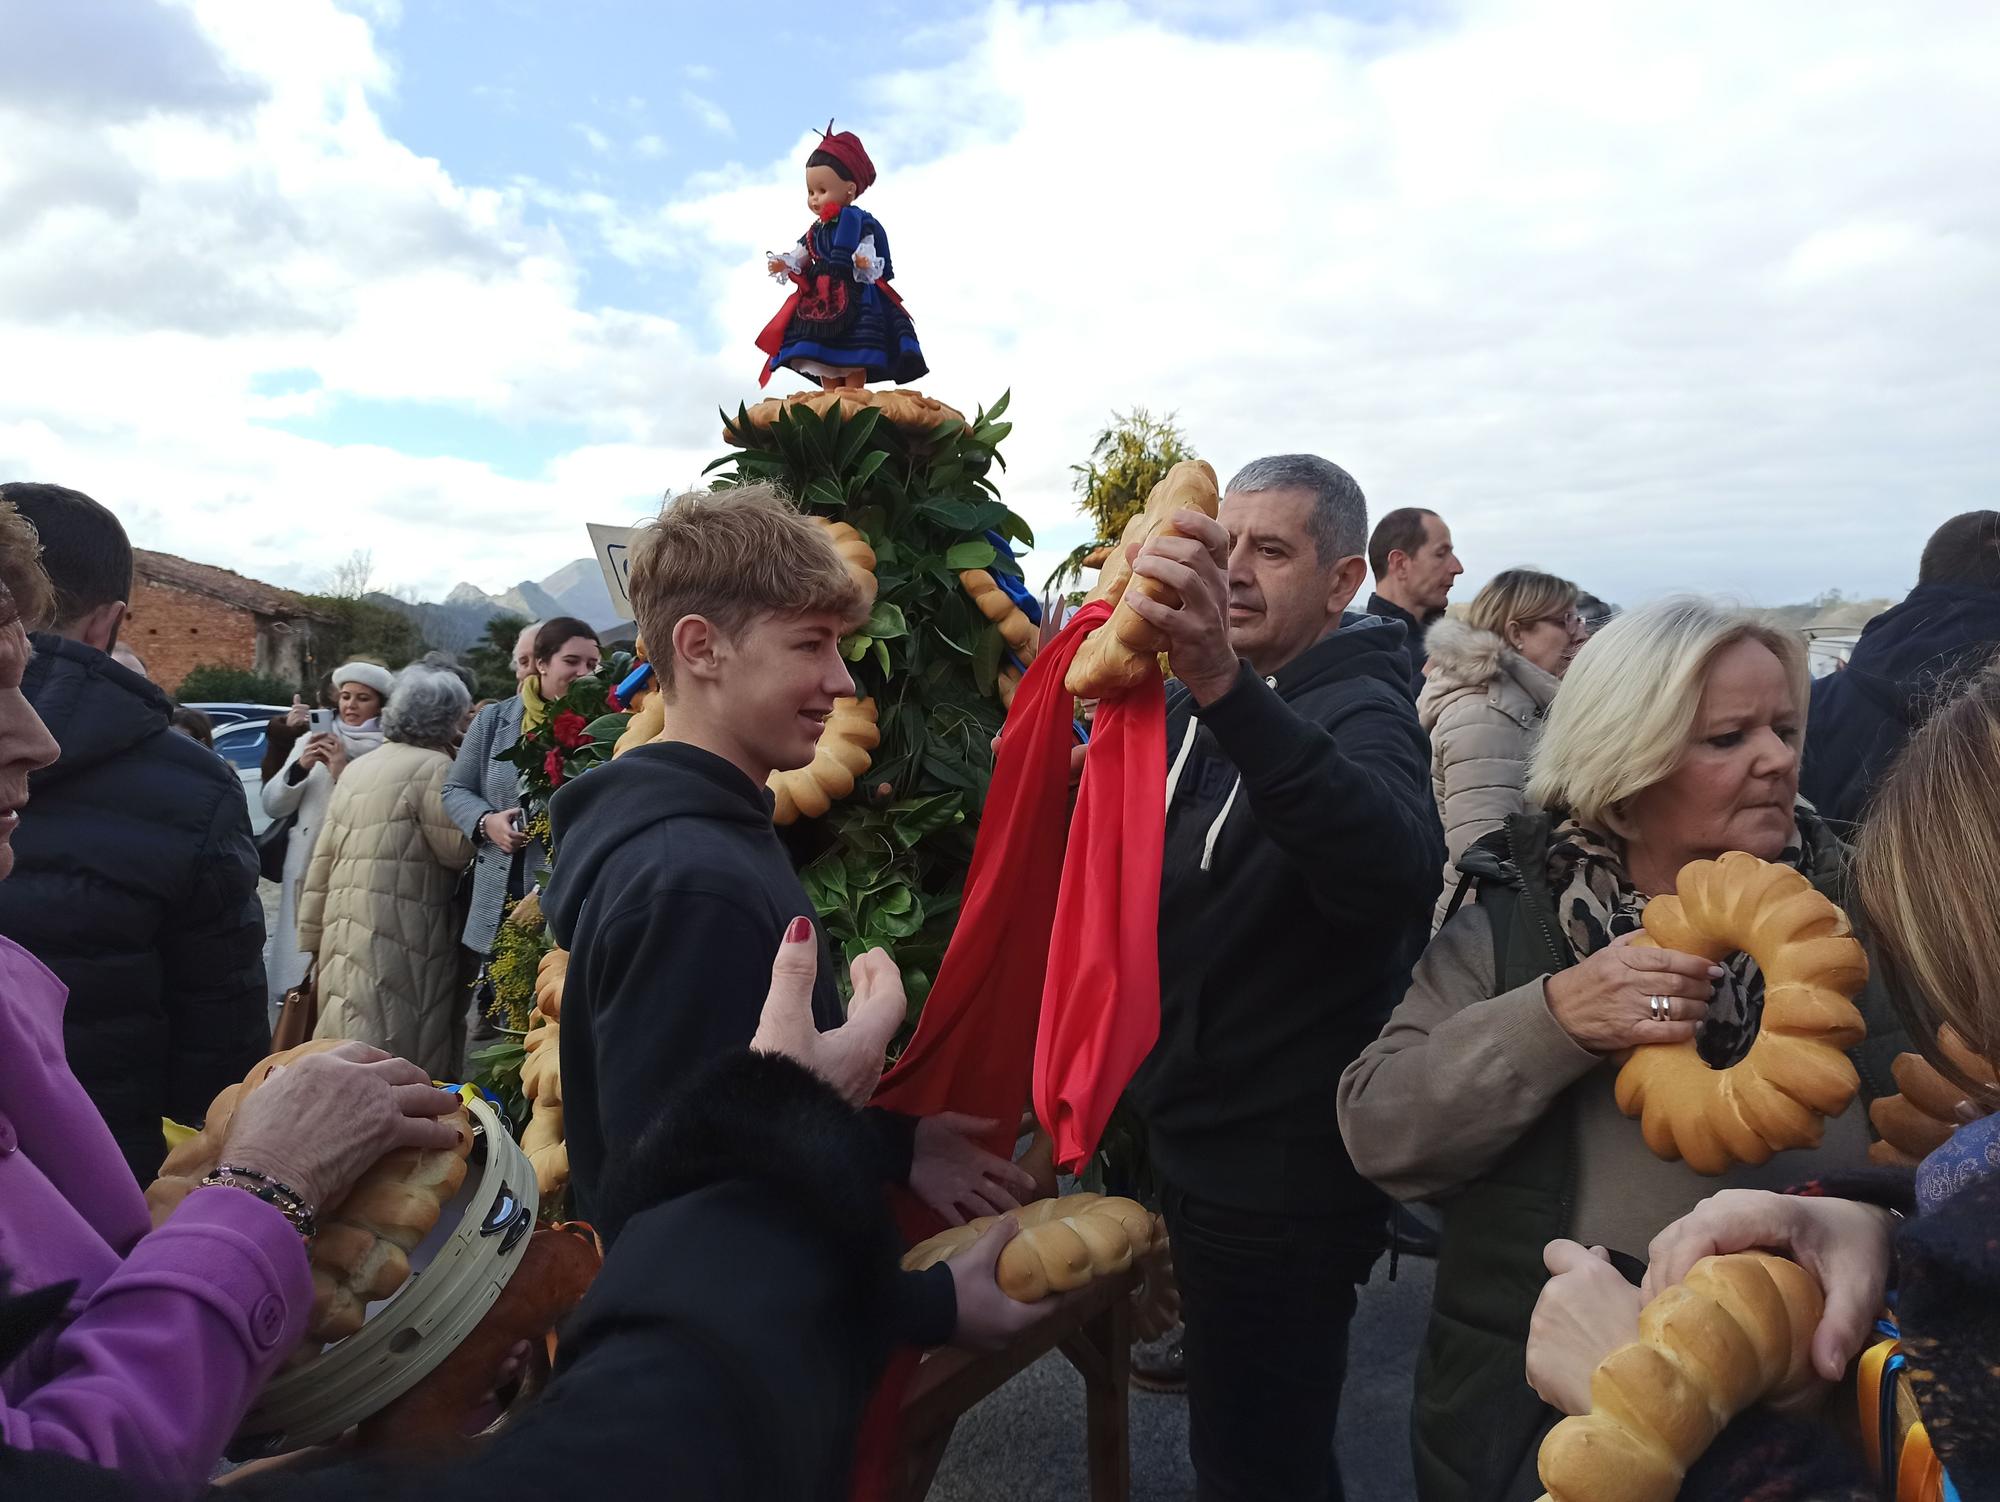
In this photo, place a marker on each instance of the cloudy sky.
(1652, 294)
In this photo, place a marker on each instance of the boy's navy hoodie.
(1302, 856)
(672, 894)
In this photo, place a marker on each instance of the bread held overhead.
(1119, 654)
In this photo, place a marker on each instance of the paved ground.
(1026, 1441)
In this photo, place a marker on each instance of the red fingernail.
(799, 932)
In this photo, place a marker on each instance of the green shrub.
(214, 683)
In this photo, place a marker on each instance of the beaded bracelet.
(286, 1200)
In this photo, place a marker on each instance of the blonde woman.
(1926, 874)
(1490, 679)
(1490, 1091)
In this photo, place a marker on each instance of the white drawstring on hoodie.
(1174, 781)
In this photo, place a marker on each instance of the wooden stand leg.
(1101, 1352)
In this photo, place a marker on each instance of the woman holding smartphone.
(304, 787)
(483, 794)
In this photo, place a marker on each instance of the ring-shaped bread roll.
(1796, 1073)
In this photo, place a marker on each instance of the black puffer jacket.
(135, 881)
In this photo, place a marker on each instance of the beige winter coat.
(377, 909)
(1482, 705)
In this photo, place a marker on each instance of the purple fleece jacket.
(171, 1332)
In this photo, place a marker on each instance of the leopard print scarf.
(1597, 903)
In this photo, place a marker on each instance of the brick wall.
(175, 631)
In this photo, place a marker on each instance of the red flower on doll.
(830, 210)
(611, 701)
(553, 765)
(570, 729)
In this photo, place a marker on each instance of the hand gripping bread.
(1063, 1244)
(1736, 1331)
(1796, 1073)
(362, 1250)
(1122, 651)
(836, 766)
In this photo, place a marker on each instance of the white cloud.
(1695, 295)
(594, 138)
(649, 147)
(711, 115)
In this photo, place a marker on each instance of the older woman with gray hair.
(1491, 1090)
(377, 908)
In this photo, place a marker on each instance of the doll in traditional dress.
(843, 325)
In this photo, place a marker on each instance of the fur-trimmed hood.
(1466, 659)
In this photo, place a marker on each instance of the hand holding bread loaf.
(358, 1135)
(1063, 1244)
(1120, 653)
(1736, 1331)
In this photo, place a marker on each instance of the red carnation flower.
(570, 729)
(553, 765)
(611, 699)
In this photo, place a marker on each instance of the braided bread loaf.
(836, 766)
(541, 1085)
(1119, 653)
(362, 1250)
(1796, 1073)
(551, 971)
(1737, 1330)
(855, 553)
(1016, 630)
(1063, 1244)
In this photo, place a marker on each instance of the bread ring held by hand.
(1120, 653)
(1063, 1244)
(836, 766)
(1796, 1073)
(1736, 1331)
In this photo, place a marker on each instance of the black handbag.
(272, 845)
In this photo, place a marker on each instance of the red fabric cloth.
(1052, 974)
(1101, 996)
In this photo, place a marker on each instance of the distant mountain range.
(460, 620)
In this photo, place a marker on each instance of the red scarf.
(1058, 909)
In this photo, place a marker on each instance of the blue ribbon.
(1012, 585)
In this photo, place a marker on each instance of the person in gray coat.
(1492, 678)
(483, 794)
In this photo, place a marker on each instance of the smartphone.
(322, 722)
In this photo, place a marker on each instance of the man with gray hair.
(1302, 857)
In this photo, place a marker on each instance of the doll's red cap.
(846, 148)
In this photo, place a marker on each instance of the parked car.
(235, 712)
(242, 746)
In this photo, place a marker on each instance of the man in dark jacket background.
(1414, 562)
(1908, 659)
(1302, 854)
(136, 879)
